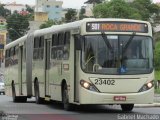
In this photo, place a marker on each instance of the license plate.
(119, 98)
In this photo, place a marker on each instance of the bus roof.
(16, 42)
(68, 26)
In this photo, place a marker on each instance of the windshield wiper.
(122, 68)
(106, 41)
(129, 41)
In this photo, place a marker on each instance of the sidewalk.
(155, 104)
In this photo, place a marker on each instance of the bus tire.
(65, 99)
(39, 100)
(127, 107)
(14, 97)
(17, 98)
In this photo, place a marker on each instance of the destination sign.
(116, 27)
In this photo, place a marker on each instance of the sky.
(66, 3)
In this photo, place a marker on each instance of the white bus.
(83, 62)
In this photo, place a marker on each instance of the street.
(54, 111)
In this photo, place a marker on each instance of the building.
(52, 7)
(88, 10)
(41, 16)
(64, 11)
(15, 7)
(3, 37)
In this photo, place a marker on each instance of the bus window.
(41, 47)
(36, 42)
(60, 46)
(41, 43)
(54, 40)
(61, 38)
(66, 46)
(67, 38)
(24, 52)
(7, 54)
(12, 51)
(16, 48)
(54, 48)
(36, 45)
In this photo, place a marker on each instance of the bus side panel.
(11, 73)
(60, 67)
(38, 70)
(55, 72)
(29, 56)
(24, 82)
(72, 89)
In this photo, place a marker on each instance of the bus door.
(20, 68)
(76, 67)
(47, 66)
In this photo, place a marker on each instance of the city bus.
(85, 62)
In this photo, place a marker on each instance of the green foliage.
(157, 75)
(157, 56)
(29, 9)
(138, 9)
(146, 9)
(49, 23)
(94, 1)
(116, 9)
(31, 12)
(81, 13)
(4, 12)
(157, 91)
(17, 25)
(70, 16)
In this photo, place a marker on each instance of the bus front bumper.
(90, 97)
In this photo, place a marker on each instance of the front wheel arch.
(39, 100)
(65, 96)
(127, 107)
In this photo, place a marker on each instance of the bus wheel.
(17, 98)
(14, 97)
(67, 106)
(127, 107)
(39, 100)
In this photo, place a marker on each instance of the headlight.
(147, 86)
(88, 85)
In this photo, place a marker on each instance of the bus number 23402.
(104, 82)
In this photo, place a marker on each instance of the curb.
(147, 105)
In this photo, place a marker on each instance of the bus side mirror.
(78, 42)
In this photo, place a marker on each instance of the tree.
(49, 23)
(29, 9)
(138, 9)
(4, 12)
(31, 12)
(70, 16)
(81, 13)
(94, 2)
(116, 9)
(157, 56)
(17, 25)
(148, 10)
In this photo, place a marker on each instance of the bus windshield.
(117, 54)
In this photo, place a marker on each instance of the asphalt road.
(54, 111)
